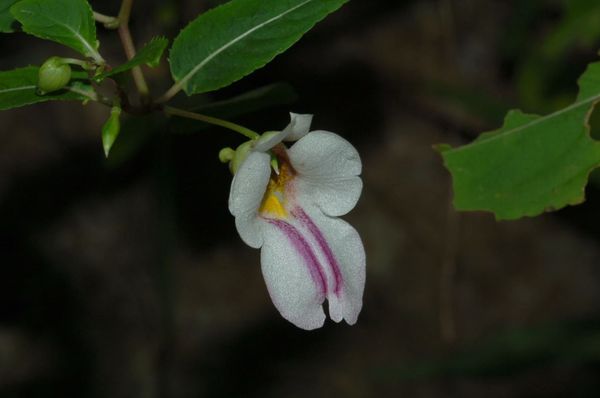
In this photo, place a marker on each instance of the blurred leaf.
(18, 87)
(111, 129)
(471, 100)
(150, 55)
(542, 76)
(515, 351)
(579, 25)
(532, 163)
(68, 22)
(524, 15)
(230, 41)
(252, 101)
(6, 18)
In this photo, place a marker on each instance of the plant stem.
(93, 96)
(170, 93)
(129, 47)
(108, 21)
(125, 12)
(73, 61)
(211, 120)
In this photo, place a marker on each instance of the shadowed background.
(126, 277)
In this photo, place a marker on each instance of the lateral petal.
(293, 275)
(328, 167)
(247, 190)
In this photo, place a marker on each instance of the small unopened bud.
(275, 164)
(226, 155)
(54, 75)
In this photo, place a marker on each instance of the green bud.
(275, 164)
(226, 155)
(241, 153)
(54, 75)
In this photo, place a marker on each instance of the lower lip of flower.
(304, 250)
(322, 243)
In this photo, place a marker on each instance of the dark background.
(126, 278)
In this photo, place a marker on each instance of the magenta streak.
(316, 232)
(304, 250)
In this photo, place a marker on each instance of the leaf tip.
(441, 148)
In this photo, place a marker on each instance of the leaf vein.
(21, 88)
(211, 56)
(532, 123)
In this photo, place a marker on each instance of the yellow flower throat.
(273, 203)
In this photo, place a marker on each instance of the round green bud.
(241, 153)
(226, 155)
(54, 75)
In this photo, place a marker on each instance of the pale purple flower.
(308, 254)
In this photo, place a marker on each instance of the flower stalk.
(246, 132)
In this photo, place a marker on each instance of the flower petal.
(247, 190)
(344, 244)
(296, 129)
(328, 168)
(293, 275)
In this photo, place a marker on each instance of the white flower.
(290, 212)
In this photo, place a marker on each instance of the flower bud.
(226, 155)
(54, 75)
(275, 164)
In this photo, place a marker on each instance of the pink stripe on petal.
(304, 218)
(303, 249)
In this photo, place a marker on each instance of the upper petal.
(247, 190)
(328, 168)
(293, 275)
(296, 129)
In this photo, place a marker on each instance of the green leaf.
(18, 87)
(533, 163)
(6, 18)
(230, 41)
(150, 55)
(111, 129)
(68, 22)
